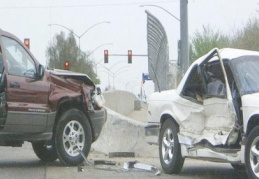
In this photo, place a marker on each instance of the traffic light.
(106, 54)
(27, 43)
(66, 65)
(129, 56)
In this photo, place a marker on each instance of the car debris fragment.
(97, 162)
(84, 157)
(122, 154)
(136, 165)
(104, 162)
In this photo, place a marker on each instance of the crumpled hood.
(74, 75)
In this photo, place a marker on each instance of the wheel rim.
(254, 156)
(73, 138)
(167, 146)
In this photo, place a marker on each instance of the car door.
(217, 119)
(27, 96)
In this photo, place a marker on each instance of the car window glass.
(193, 88)
(19, 61)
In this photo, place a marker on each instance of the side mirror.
(41, 71)
(99, 91)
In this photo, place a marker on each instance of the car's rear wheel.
(252, 153)
(45, 152)
(169, 148)
(73, 134)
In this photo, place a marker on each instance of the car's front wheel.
(73, 134)
(169, 148)
(252, 153)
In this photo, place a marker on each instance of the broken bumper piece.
(141, 166)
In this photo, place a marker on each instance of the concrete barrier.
(122, 102)
(122, 134)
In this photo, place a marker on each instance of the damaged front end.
(80, 86)
(92, 94)
(211, 133)
(210, 128)
(203, 112)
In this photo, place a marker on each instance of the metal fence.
(158, 55)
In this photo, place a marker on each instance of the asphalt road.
(23, 163)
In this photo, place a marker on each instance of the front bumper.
(152, 131)
(98, 118)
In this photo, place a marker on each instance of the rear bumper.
(152, 131)
(98, 118)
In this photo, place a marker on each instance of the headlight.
(97, 99)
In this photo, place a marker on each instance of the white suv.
(212, 115)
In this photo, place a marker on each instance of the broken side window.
(193, 88)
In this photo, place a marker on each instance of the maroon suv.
(59, 112)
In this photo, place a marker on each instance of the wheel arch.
(67, 103)
(252, 122)
(166, 116)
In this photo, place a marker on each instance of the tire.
(169, 148)
(73, 132)
(252, 153)
(46, 153)
(238, 167)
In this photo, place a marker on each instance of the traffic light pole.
(129, 55)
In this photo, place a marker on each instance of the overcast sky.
(126, 30)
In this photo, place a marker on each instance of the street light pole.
(99, 47)
(114, 74)
(162, 9)
(184, 48)
(117, 73)
(79, 36)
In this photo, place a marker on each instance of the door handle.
(14, 85)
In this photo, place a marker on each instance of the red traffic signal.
(106, 54)
(66, 65)
(129, 56)
(27, 43)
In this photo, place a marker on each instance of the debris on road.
(80, 168)
(104, 162)
(84, 157)
(141, 166)
(121, 154)
(97, 162)
(127, 165)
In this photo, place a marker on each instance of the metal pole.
(184, 49)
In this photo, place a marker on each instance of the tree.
(204, 41)
(247, 38)
(65, 49)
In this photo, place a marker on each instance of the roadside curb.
(122, 134)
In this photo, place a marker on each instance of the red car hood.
(74, 75)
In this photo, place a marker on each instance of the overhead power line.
(86, 5)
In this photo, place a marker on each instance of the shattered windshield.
(246, 71)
